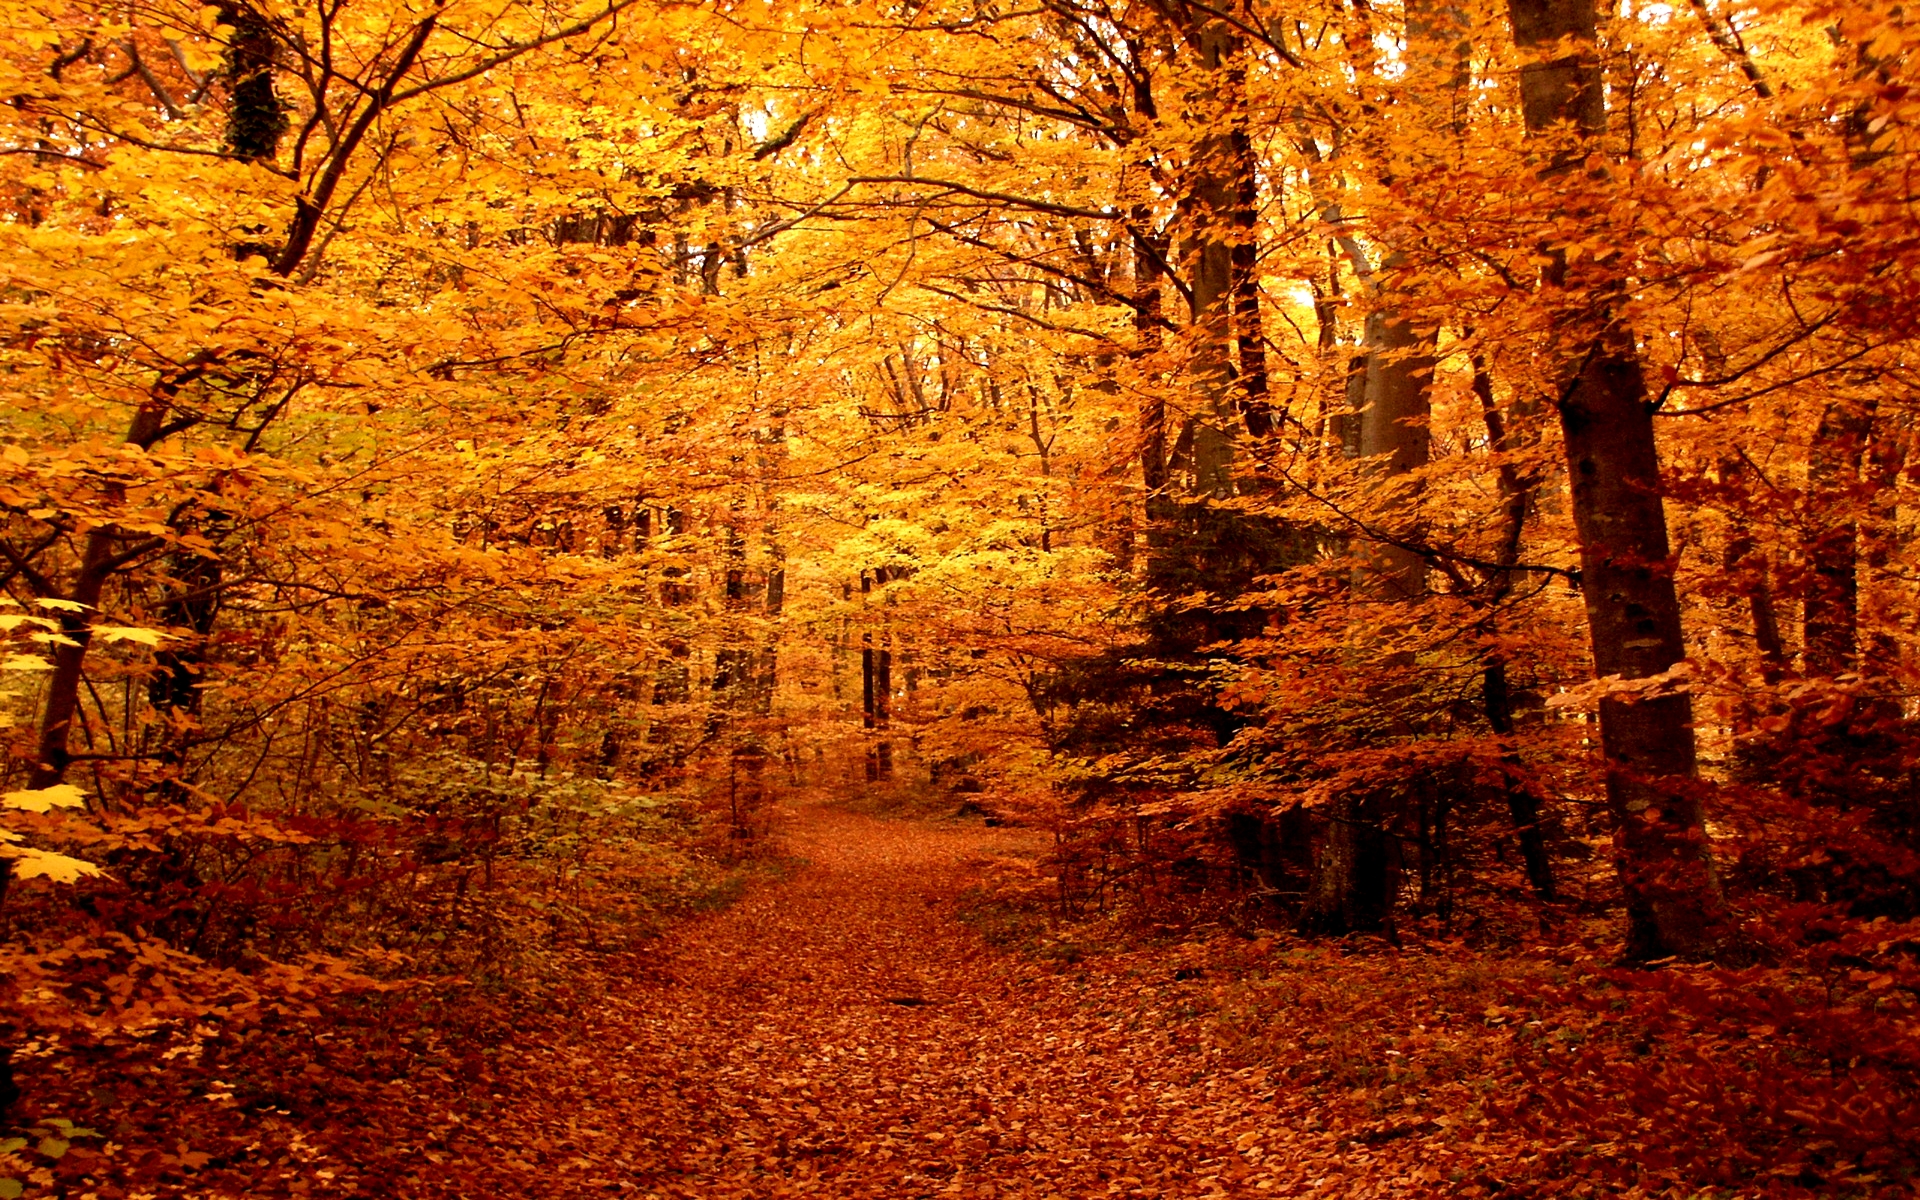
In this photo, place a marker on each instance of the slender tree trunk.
(1747, 565)
(1334, 404)
(1146, 332)
(1523, 806)
(1517, 488)
(1249, 331)
(1756, 753)
(51, 754)
(1830, 616)
(876, 688)
(883, 706)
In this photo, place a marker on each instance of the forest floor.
(843, 1032)
(873, 1022)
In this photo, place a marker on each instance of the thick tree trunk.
(1633, 614)
(1350, 889)
(1674, 904)
(1392, 390)
(1389, 392)
(1208, 213)
(1395, 442)
(1207, 439)
(1352, 884)
(1194, 542)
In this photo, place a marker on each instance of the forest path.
(841, 1033)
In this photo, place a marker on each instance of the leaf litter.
(856, 1029)
(844, 1033)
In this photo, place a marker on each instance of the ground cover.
(856, 1026)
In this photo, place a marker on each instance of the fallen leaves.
(842, 1032)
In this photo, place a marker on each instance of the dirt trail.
(840, 1033)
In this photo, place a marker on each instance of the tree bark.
(51, 754)
(1350, 891)
(1517, 488)
(1206, 248)
(1830, 616)
(1674, 903)
(1249, 330)
(1397, 400)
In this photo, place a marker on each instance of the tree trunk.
(876, 687)
(1830, 617)
(1633, 614)
(190, 610)
(1389, 393)
(1146, 332)
(1523, 806)
(51, 753)
(1674, 904)
(1351, 889)
(1395, 442)
(1249, 331)
(1208, 213)
(1517, 488)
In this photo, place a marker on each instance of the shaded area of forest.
(1365, 480)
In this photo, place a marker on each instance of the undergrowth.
(321, 1004)
(1799, 1078)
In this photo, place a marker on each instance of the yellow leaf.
(57, 867)
(62, 605)
(60, 795)
(24, 662)
(129, 633)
